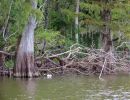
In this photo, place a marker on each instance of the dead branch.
(86, 61)
(6, 53)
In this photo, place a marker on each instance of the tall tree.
(77, 21)
(106, 17)
(106, 31)
(4, 23)
(46, 13)
(25, 53)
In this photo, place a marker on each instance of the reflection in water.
(17, 89)
(29, 86)
(66, 88)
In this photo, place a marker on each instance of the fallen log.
(6, 53)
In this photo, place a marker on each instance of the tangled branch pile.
(83, 60)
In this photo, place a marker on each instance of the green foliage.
(2, 42)
(57, 21)
(61, 16)
(9, 63)
(11, 43)
(91, 7)
(68, 16)
(4, 10)
(53, 38)
(20, 14)
(38, 14)
(91, 17)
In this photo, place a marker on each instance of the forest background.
(35, 29)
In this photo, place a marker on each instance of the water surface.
(66, 88)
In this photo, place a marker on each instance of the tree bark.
(106, 37)
(2, 58)
(77, 21)
(25, 52)
(106, 33)
(46, 13)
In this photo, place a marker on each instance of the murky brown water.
(66, 88)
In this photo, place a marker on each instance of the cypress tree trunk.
(106, 33)
(25, 53)
(46, 14)
(106, 37)
(2, 58)
(77, 22)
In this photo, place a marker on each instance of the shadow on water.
(66, 88)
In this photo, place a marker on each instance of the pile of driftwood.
(78, 59)
(83, 60)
